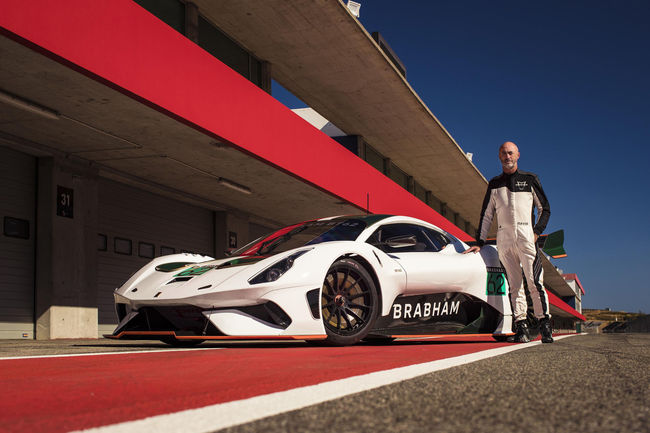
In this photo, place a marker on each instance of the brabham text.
(425, 309)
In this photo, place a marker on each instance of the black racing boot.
(522, 335)
(546, 330)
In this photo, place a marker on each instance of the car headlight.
(276, 270)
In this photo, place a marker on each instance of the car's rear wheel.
(349, 303)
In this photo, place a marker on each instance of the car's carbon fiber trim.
(446, 335)
(149, 334)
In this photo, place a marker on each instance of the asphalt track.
(541, 388)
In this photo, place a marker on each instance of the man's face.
(509, 155)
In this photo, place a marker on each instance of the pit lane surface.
(68, 393)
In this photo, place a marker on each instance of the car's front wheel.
(349, 302)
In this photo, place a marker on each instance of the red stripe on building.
(122, 45)
(559, 303)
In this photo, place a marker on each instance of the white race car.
(340, 280)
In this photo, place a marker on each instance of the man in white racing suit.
(513, 195)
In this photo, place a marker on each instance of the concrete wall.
(578, 295)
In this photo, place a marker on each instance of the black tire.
(349, 303)
(180, 343)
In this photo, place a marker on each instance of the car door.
(428, 257)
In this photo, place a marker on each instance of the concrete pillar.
(220, 234)
(192, 22)
(266, 76)
(387, 166)
(434, 203)
(228, 227)
(66, 251)
(238, 225)
(410, 185)
(359, 145)
(362, 148)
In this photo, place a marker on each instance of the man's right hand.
(474, 249)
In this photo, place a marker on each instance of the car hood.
(214, 272)
(171, 280)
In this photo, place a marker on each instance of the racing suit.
(514, 197)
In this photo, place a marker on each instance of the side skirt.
(436, 314)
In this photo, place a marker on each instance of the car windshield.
(308, 233)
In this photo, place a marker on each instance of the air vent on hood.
(179, 280)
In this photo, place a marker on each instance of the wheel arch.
(368, 267)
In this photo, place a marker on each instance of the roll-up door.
(17, 243)
(134, 227)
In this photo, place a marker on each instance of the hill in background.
(615, 321)
(607, 315)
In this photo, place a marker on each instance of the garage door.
(17, 244)
(134, 227)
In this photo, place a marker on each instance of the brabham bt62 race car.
(340, 280)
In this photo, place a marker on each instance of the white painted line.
(219, 416)
(125, 352)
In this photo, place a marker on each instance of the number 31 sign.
(64, 201)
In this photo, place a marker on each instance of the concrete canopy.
(555, 280)
(322, 54)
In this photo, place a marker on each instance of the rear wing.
(552, 244)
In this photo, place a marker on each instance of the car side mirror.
(401, 242)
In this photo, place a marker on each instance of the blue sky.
(569, 82)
